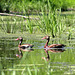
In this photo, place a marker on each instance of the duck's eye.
(47, 37)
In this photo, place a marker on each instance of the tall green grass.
(49, 22)
(30, 26)
(7, 26)
(31, 5)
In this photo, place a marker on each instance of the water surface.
(34, 62)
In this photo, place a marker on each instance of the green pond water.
(32, 63)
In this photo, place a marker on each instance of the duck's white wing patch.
(26, 45)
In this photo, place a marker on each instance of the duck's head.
(46, 37)
(20, 38)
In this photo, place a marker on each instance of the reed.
(35, 70)
(50, 21)
(2, 73)
(29, 71)
(7, 25)
(30, 26)
(14, 72)
(13, 26)
(22, 25)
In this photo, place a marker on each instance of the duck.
(24, 46)
(52, 45)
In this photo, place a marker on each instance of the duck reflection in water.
(57, 50)
(46, 58)
(20, 55)
(26, 50)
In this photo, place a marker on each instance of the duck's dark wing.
(26, 46)
(57, 46)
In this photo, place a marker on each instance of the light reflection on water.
(57, 60)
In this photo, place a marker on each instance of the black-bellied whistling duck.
(53, 45)
(24, 46)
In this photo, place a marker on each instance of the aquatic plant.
(7, 26)
(30, 26)
(33, 5)
(50, 21)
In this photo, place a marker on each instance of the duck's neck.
(46, 43)
(20, 42)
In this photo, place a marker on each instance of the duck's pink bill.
(43, 38)
(17, 39)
